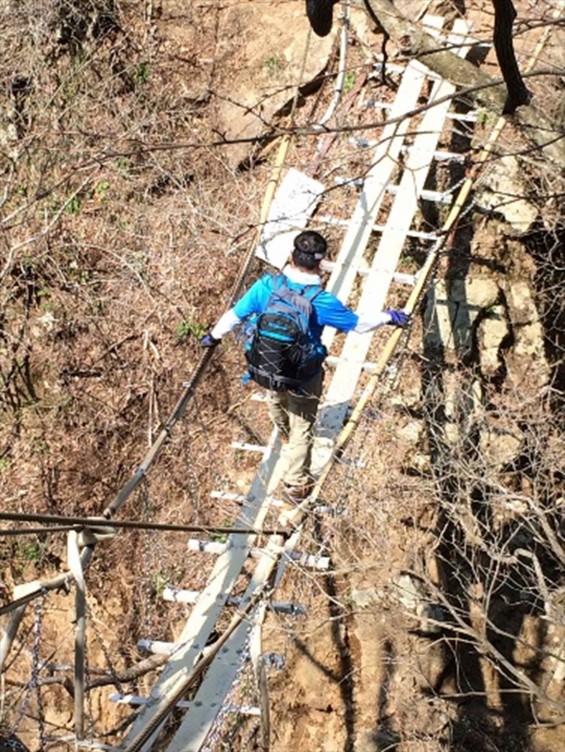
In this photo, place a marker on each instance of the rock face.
(497, 318)
(269, 66)
(492, 332)
(503, 193)
(528, 350)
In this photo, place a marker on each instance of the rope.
(36, 530)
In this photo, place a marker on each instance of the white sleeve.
(368, 322)
(226, 323)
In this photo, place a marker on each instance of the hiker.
(268, 311)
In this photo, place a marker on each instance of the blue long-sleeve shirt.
(327, 310)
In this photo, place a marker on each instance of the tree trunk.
(464, 74)
(504, 15)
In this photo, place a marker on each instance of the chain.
(226, 723)
(103, 646)
(153, 563)
(90, 712)
(37, 668)
(34, 672)
(150, 571)
(211, 463)
(34, 679)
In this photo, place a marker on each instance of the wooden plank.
(384, 163)
(210, 698)
(376, 285)
(206, 611)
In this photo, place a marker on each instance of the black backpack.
(280, 351)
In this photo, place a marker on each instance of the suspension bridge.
(382, 213)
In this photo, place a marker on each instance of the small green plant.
(30, 551)
(101, 190)
(69, 92)
(274, 64)
(138, 262)
(349, 81)
(221, 537)
(484, 117)
(160, 582)
(39, 444)
(73, 206)
(188, 328)
(141, 73)
(124, 165)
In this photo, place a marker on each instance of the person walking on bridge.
(284, 316)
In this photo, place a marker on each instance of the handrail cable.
(99, 522)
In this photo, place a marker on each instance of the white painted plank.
(329, 265)
(205, 614)
(295, 200)
(245, 447)
(137, 700)
(190, 597)
(376, 285)
(384, 163)
(209, 699)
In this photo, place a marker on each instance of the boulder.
(504, 193)
(478, 292)
(492, 331)
(271, 65)
(528, 334)
(498, 447)
(412, 432)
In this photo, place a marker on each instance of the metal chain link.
(212, 460)
(104, 648)
(34, 676)
(90, 725)
(38, 623)
(150, 567)
(226, 720)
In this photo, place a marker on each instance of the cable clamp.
(91, 535)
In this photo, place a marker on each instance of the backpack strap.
(311, 292)
(279, 280)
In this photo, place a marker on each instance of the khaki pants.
(294, 414)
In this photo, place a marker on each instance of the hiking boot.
(297, 494)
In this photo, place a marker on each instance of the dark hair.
(309, 248)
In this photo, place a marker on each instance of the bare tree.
(518, 94)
